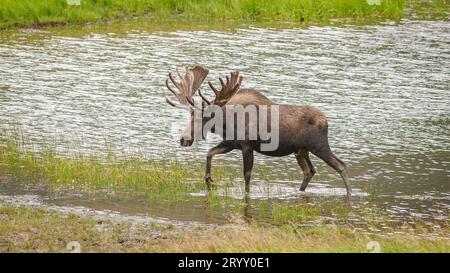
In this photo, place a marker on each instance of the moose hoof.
(208, 181)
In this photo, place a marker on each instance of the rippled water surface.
(385, 89)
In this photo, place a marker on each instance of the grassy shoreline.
(25, 13)
(36, 230)
(295, 227)
(41, 229)
(162, 178)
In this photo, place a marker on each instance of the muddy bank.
(36, 202)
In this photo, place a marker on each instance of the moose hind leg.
(334, 162)
(247, 154)
(305, 164)
(219, 149)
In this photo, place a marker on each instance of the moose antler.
(188, 85)
(227, 91)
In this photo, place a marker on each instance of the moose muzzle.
(186, 142)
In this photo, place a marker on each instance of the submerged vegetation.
(37, 12)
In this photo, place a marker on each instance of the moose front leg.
(247, 154)
(222, 148)
(308, 169)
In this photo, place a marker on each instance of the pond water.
(384, 88)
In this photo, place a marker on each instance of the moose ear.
(199, 74)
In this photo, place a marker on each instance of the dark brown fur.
(302, 129)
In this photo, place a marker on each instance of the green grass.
(39, 12)
(287, 213)
(35, 230)
(162, 179)
(292, 213)
(90, 173)
(429, 9)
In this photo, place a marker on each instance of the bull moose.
(301, 129)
